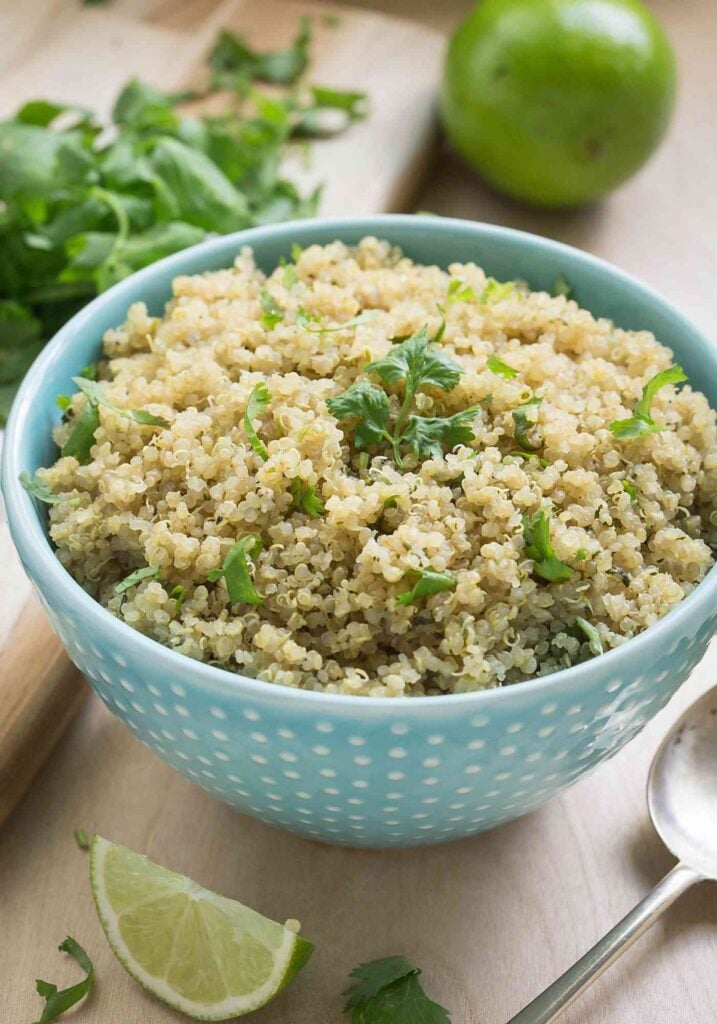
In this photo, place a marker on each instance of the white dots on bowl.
(324, 727)
(328, 773)
(575, 729)
(393, 821)
(178, 690)
(218, 713)
(251, 715)
(394, 796)
(96, 653)
(321, 751)
(456, 807)
(535, 756)
(219, 735)
(138, 707)
(435, 740)
(613, 687)
(426, 828)
(561, 754)
(181, 755)
(528, 777)
(303, 795)
(431, 781)
(457, 817)
(501, 776)
(331, 791)
(574, 709)
(126, 685)
(547, 731)
(493, 792)
(395, 776)
(419, 816)
(362, 760)
(291, 775)
(190, 734)
(181, 710)
(355, 801)
(548, 709)
(464, 790)
(399, 729)
(257, 737)
(472, 769)
(259, 759)
(268, 780)
(389, 810)
(286, 734)
(168, 735)
(429, 800)
(357, 741)
(274, 796)
(220, 755)
(514, 727)
(360, 784)
(476, 744)
(105, 677)
(357, 817)
(397, 753)
(154, 690)
(286, 755)
(203, 760)
(479, 721)
(431, 762)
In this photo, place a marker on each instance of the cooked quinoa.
(630, 521)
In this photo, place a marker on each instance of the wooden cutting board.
(82, 54)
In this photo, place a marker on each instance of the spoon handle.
(550, 1003)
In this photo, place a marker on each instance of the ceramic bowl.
(358, 770)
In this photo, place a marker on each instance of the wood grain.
(492, 919)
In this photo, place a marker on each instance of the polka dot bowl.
(355, 770)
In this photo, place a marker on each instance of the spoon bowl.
(682, 787)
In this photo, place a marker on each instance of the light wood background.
(491, 919)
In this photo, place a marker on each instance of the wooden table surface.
(491, 919)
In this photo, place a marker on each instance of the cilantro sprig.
(305, 498)
(271, 313)
(641, 421)
(311, 323)
(82, 437)
(235, 570)
(525, 418)
(426, 582)
(147, 572)
(591, 634)
(388, 991)
(539, 547)
(258, 400)
(57, 1001)
(38, 489)
(496, 365)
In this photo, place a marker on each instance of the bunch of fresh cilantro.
(83, 204)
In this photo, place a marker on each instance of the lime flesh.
(205, 955)
(556, 102)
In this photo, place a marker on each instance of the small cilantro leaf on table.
(57, 1001)
(235, 570)
(641, 421)
(388, 991)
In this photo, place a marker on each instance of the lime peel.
(189, 936)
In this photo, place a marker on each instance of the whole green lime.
(556, 102)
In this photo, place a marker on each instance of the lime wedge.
(205, 955)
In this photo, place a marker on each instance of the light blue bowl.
(359, 770)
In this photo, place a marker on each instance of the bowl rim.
(30, 538)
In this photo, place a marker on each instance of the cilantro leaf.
(496, 291)
(305, 321)
(524, 418)
(459, 291)
(258, 400)
(57, 1001)
(369, 405)
(428, 436)
(94, 394)
(630, 489)
(530, 455)
(641, 421)
(562, 286)
(38, 489)
(80, 441)
(289, 278)
(178, 594)
(235, 570)
(304, 498)
(595, 643)
(271, 313)
(417, 365)
(539, 547)
(388, 991)
(496, 365)
(81, 838)
(233, 60)
(371, 977)
(148, 572)
(428, 582)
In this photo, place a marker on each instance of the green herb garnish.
(562, 286)
(595, 643)
(309, 322)
(496, 365)
(367, 404)
(38, 489)
(539, 547)
(235, 63)
(80, 441)
(95, 395)
(524, 418)
(641, 422)
(57, 1001)
(235, 570)
(428, 582)
(388, 991)
(178, 594)
(630, 489)
(429, 436)
(258, 400)
(148, 572)
(530, 455)
(289, 276)
(304, 498)
(496, 291)
(459, 291)
(81, 839)
(271, 313)
(581, 554)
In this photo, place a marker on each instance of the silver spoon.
(682, 799)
